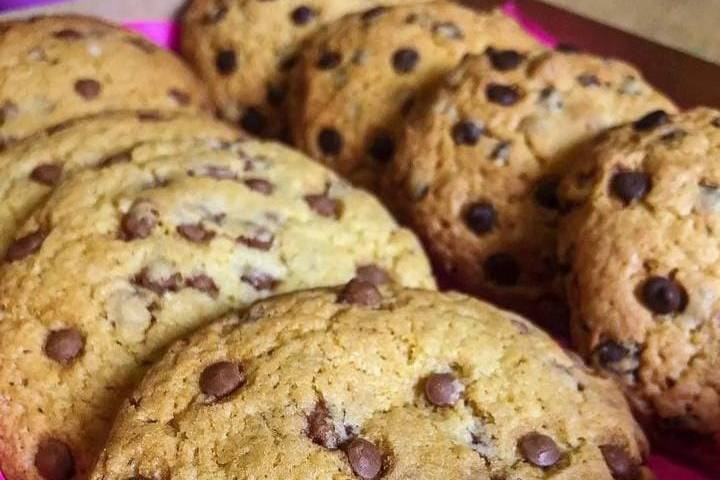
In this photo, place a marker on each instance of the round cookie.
(122, 260)
(361, 382)
(34, 166)
(477, 169)
(357, 78)
(60, 67)
(243, 49)
(642, 250)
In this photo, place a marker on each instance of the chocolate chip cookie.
(371, 382)
(357, 78)
(244, 50)
(56, 68)
(477, 170)
(642, 250)
(123, 259)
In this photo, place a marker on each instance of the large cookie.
(244, 49)
(357, 78)
(122, 260)
(477, 169)
(360, 382)
(643, 253)
(56, 68)
(32, 167)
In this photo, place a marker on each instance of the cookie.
(641, 247)
(122, 260)
(477, 168)
(366, 382)
(357, 78)
(244, 50)
(34, 166)
(56, 68)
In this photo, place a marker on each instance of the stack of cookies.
(181, 300)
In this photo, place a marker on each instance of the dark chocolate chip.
(610, 352)
(195, 233)
(546, 194)
(404, 60)
(259, 185)
(716, 122)
(652, 120)
(504, 60)
(222, 378)
(275, 95)
(324, 205)
(360, 292)
(321, 429)
(480, 217)
(303, 15)
(261, 239)
(226, 62)
(630, 186)
(330, 141)
(260, 280)
(170, 283)
(621, 465)
(87, 88)
(25, 246)
(64, 345)
(54, 461)
(539, 449)
(588, 80)
(502, 269)
(329, 60)
(68, 34)
(505, 95)
(442, 389)
(663, 295)
(372, 274)
(253, 121)
(382, 148)
(203, 283)
(47, 174)
(467, 132)
(139, 221)
(180, 97)
(365, 459)
(286, 64)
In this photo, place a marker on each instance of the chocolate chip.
(149, 116)
(25, 246)
(365, 459)
(505, 95)
(203, 283)
(589, 80)
(546, 194)
(169, 283)
(373, 13)
(64, 345)
(405, 60)
(610, 352)
(382, 148)
(68, 34)
(621, 465)
(139, 221)
(652, 120)
(663, 295)
(260, 280)
(372, 274)
(87, 88)
(480, 217)
(501, 151)
(261, 239)
(259, 185)
(504, 60)
(330, 141)
(253, 121)
(716, 122)
(54, 461)
(324, 205)
(222, 378)
(674, 136)
(226, 62)
(630, 186)
(8, 111)
(275, 95)
(120, 157)
(329, 60)
(442, 389)
(539, 449)
(195, 232)
(320, 428)
(47, 174)
(180, 97)
(360, 292)
(467, 132)
(502, 269)
(303, 15)
(286, 64)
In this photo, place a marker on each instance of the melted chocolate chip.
(539, 449)
(442, 389)
(505, 95)
(504, 60)
(47, 174)
(360, 292)
(382, 148)
(54, 461)
(481, 217)
(372, 274)
(321, 429)
(203, 283)
(64, 345)
(253, 121)
(621, 465)
(610, 352)
(629, 186)
(324, 205)
(467, 132)
(365, 459)
(225, 62)
(261, 239)
(303, 15)
(329, 60)
(330, 141)
(195, 233)
(160, 285)
(259, 185)
(546, 194)
(221, 379)
(139, 221)
(260, 280)
(652, 120)
(663, 295)
(589, 80)
(405, 60)
(87, 88)
(25, 246)
(502, 269)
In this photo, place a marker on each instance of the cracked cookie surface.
(478, 167)
(124, 259)
(60, 67)
(641, 245)
(366, 382)
(357, 78)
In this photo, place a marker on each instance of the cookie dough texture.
(34, 166)
(60, 67)
(431, 385)
(477, 170)
(122, 260)
(641, 245)
(244, 49)
(357, 78)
